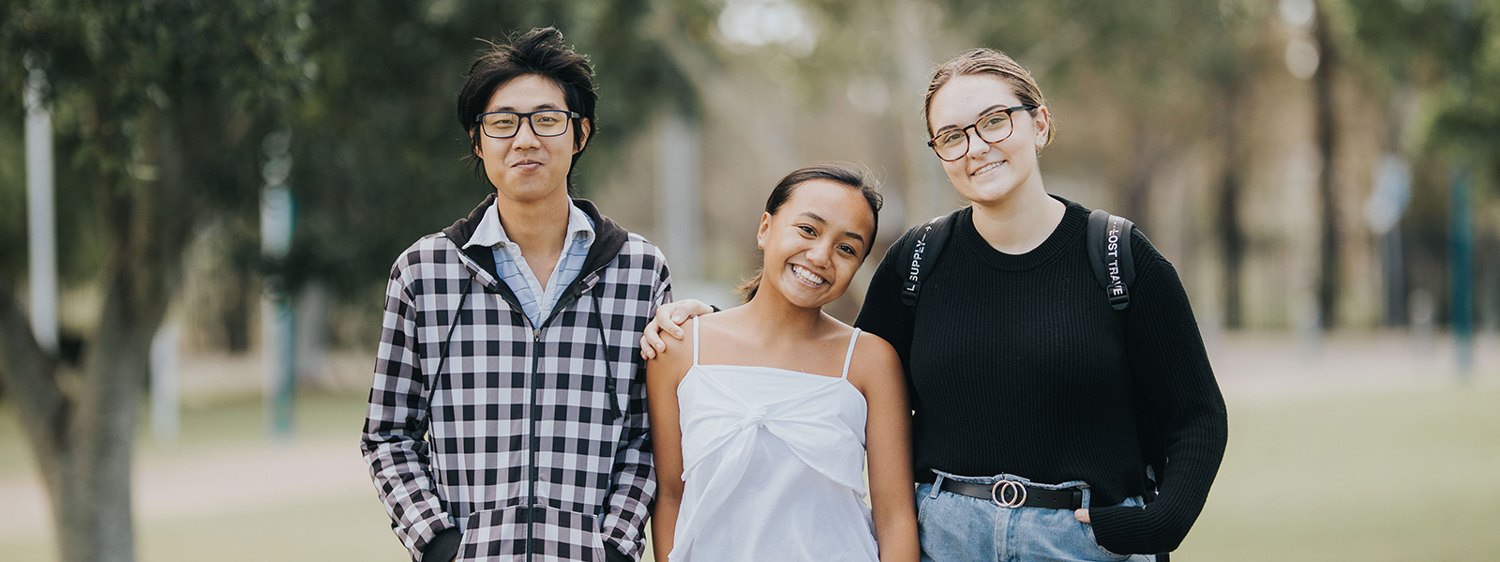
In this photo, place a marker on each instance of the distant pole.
(1461, 269)
(679, 209)
(165, 418)
(278, 321)
(40, 214)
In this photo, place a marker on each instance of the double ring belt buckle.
(1008, 493)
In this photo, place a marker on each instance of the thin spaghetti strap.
(849, 356)
(695, 341)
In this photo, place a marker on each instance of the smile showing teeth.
(807, 276)
(987, 167)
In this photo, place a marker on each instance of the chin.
(804, 297)
(529, 191)
(991, 192)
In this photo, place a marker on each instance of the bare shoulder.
(674, 361)
(875, 363)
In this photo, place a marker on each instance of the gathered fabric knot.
(756, 419)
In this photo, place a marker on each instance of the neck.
(535, 225)
(780, 319)
(1020, 223)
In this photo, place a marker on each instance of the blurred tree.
(380, 158)
(1330, 264)
(164, 106)
(1440, 63)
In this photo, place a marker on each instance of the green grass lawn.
(1387, 476)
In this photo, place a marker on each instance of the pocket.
(1088, 531)
(556, 536)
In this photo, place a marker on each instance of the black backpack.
(1114, 269)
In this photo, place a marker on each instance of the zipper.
(536, 383)
(536, 359)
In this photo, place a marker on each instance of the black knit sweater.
(1016, 365)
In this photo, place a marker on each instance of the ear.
(587, 129)
(474, 145)
(765, 228)
(1043, 121)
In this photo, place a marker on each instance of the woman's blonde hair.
(988, 61)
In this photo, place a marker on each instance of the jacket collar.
(609, 238)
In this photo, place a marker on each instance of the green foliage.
(379, 157)
(1450, 50)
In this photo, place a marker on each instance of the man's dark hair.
(539, 52)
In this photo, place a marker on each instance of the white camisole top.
(773, 465)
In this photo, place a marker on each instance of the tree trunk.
(83, 439)
(1329, 270)
(1136, 192)
(1231, 235)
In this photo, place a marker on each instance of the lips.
(987, 168)
(807, 276)
(527, 164)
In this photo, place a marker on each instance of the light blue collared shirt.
(517, 274)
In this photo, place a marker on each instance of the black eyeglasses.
(991, 127)
(544, 123)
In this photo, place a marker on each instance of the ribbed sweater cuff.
(1131, 530)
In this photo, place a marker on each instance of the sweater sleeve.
(1172, 375)
(883, 313)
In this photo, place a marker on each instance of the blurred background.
(200, 203)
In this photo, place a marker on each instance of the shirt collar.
(491, 233)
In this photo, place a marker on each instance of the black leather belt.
(1012, 494)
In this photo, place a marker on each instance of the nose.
(820, 253)
(977, 146)
(525, 136)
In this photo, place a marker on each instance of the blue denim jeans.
(956, 528)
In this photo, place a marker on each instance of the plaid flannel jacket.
(531, 442)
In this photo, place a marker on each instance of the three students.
(508, 416)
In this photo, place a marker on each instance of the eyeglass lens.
(992, 128)
(543, 123)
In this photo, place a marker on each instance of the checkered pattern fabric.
(521, 442)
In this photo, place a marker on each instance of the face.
(527, 168)
(815, 242)
(989, 173)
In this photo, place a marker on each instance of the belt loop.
(1086, 496)
(937, 486)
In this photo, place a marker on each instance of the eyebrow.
(986, 111)
(814, 216)
(539, 107)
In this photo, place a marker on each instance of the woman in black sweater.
(1032, 399)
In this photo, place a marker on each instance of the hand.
(1082, 516)
(669, 320)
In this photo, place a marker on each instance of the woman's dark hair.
(838, 172)
(539, 52)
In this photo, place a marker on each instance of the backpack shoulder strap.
(1109, 254)
(923, 246)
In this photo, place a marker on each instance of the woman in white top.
(762, 418)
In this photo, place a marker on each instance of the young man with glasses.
(507, 416)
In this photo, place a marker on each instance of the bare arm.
(663, 374)
(669, 320)
(888, 447)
